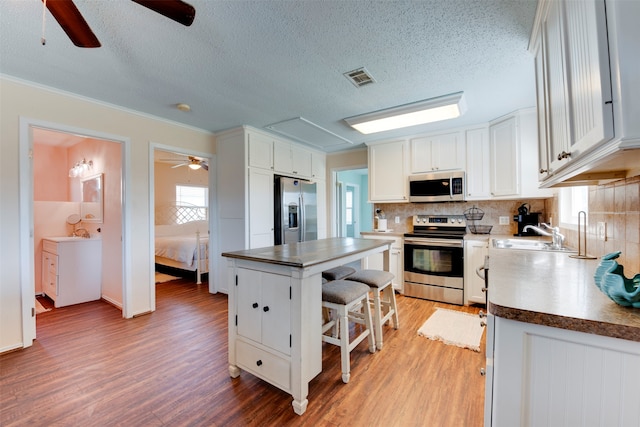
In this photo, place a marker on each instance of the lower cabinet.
(474, 253)
(72, 270)
(540, 375)
(396, 259)
(263, 320)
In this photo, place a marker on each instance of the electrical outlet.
(601, 231)
(397, 220)
(504, 220)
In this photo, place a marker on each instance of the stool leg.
(377, 316)
(392, 305)
(369, 324)
(344, 344)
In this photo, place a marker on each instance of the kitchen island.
(275, 308)
(559, 351)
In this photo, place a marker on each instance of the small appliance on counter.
(525, 218)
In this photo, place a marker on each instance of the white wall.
(20, 100)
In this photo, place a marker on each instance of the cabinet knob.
(483, 324)
(483, 372)
(543, 170)
(484, 289)
(564, 155)
(265, 308)
(254, 305)
(259, 363)
(482, 314)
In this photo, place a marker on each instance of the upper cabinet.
(260, 151)
(290, 159)
(477, 168)
(437, 152)
(585, 118)
(388, 180)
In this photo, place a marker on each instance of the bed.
(182, 239)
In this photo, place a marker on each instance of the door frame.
(27, 261)
(213, 214)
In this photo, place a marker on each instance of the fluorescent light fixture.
(417, 113)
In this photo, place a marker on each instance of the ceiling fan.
(193, 163)
(72, 22)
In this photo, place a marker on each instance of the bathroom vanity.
(71, 269)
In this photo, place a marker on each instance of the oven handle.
(434, 242)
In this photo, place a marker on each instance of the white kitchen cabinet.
(72, 270)
(396, 259)
(388, 180)
(318, 166)
(263, 322)
(291, 160)
(474, 254)
(432, 153)
(261, 220)
(542, 375)
(478, 182)
(504, 157)
(586, 55)
(260, 151)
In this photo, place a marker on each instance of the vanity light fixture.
(80, 168)
(417, 113)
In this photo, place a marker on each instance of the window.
(572, 200)
(195, 200)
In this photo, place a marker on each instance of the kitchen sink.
(528, 245)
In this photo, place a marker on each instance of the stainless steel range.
(434, 260)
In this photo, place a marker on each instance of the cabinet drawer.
(49, 246)
(267, 366)
(50, 286)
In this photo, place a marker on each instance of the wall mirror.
(91, 190)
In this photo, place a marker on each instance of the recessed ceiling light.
(183, 107)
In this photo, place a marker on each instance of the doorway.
(182, 208)
(56, 159)
(354, 213)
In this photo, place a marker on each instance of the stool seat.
(373, 278)
(384, 298)
(338, 273)
(346, 300)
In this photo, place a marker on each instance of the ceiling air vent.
(359, 77)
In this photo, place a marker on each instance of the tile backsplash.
(618, 205)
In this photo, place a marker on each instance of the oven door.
(434, 261)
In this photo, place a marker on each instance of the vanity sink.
(529, 245)
(66, 238)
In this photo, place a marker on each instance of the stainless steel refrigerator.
(296, 210)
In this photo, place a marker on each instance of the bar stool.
(338, 273)
(384, 298)
(344, 297)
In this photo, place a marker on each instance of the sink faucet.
(557, 239)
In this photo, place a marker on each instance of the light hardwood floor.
(90, 367)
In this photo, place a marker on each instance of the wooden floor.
(91, 367)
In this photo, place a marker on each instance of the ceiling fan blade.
(177, 10)
(178, 165)
(204, 166)
(72, 22)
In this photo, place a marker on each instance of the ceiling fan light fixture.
(194, 166)
(430, 110)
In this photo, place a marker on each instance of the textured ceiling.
(261, 62)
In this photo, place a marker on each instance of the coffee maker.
(525, 218)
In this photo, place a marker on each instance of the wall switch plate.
(397, 220)
(504, 220)
(601, 231)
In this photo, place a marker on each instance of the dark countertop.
(552, 289)
(310, 253)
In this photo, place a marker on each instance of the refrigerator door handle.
(303, 217)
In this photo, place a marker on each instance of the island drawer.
(276, 370)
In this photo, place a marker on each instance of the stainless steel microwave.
(437, 187)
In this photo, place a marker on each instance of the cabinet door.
(504, 157)
(318, 166)
(260, 151)
(448, 151)
(420, 155)
(542, 108)
(301, 162)
(478, 181)
(474, 253)
(260, 209)
(282, 160)
(276, 312)
(249, 304)
(387, 179)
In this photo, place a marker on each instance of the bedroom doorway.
(182, 182)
